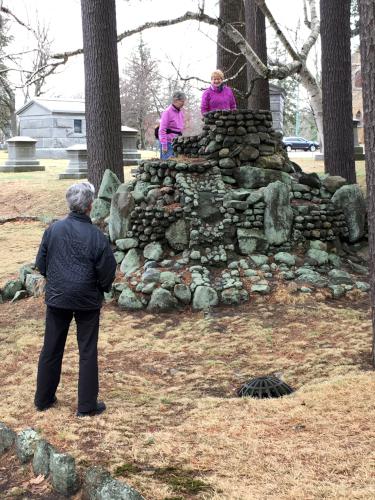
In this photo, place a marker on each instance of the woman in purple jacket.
(217, 96)
(171, 125)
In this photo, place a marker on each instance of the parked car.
(299, 143)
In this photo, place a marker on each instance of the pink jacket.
(215, 98)
(172, 119)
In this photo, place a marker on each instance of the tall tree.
(336, 88)
(367, 33)
(139, 90)
(256, 36)
(102, 92)
(8, 123)
(229, 57)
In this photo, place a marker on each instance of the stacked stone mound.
(230, 216)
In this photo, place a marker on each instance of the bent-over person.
(77, 261)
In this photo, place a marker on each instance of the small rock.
(204, 298)
(7, 438)
(63, 472)
(153, 251)
(183, 293)
(363, 286)
(260, 288)
(128, 300)
(25, 444)
(161, 301)
(285, 258)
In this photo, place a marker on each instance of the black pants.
(50, 360)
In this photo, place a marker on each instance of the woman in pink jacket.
(217, 96)
(171, 125)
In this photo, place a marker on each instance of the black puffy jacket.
(78, 263)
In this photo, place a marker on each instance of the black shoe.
(100, 407)
(46, 407)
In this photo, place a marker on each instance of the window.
(78, 126)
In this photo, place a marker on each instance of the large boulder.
(251, 241)
(333, 182)
(128, 300)
(100, 209)
(121, 206)
(278, 214)
(204, 298)
(109, 185)
(131, 262)
(177, 235)
(161, 301)
(249, 177)
(275, 162)
(352, 202)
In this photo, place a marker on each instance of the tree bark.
(256, 36)
(336, 89)
(229, 58)
(102, 93)
(367, 34)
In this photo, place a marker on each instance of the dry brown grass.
(169, 382)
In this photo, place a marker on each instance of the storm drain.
(265, 387)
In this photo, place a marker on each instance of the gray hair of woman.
(179, 96)
(80, 197)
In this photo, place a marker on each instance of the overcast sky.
(189, 45)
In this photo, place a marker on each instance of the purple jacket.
(173, 119)
(215, 98)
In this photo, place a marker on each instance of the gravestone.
(21, 156)
(77, 166)
(130, 153)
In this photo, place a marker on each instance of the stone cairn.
(230, 216)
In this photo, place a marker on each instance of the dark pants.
(50, 360)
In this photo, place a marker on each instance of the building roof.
(56, 105)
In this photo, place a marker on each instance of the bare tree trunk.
(229, 58)
(102, 93)
(316, 102)
(367, 33)
(337, 89)
(256, 36)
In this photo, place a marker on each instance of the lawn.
(174, 428)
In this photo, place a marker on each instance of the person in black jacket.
(78, 263)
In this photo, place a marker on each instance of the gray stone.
(259, 260)
(35, 284)
(131, 262)
(204, 298)
(168, 279)
(129, 301)
(278, 214)
(121, 206)
(119, 256)
(24, 271)
(7, 438)
(363, 286)
(251, 240)
(183, 293)
(334, 260)
(233, 296)
(285, 258)
(337, 291)
(42, 458)
(227, 163)
(318, 245)
(10, 289)
(148, 288)
(250, 273)
(177, 235)
(151, 275)
(22, 294)
(255, 197)
(63, 472)
(109, 185)
(116, 490)
(161, 301)
(317, 257)
(311, 277)
(339, 277)
(25, 444)
(100, 209)
(260, 288)
(333, 182)
(351, 201)
(275, 162)
(305, 289)
(126, 243)
(153, 251)
(253, 177)
(248, 153)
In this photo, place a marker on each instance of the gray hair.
(179, 95)
(80, 196)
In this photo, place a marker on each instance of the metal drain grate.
(265, 387)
